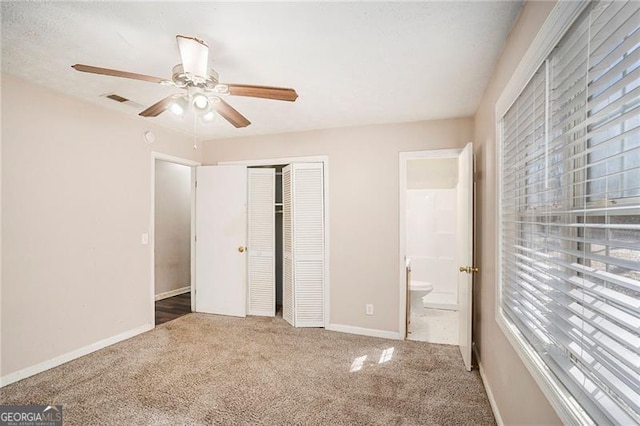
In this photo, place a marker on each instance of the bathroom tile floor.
(434, 326)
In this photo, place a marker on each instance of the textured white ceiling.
(351, 63)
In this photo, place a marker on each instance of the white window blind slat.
(605, 343)
(607, 46)
(619, 373)
(532, 279)
(591, 366)
(611, 84)
(570, 212)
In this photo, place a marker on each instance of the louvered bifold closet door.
(570, 208)
(308, 243)
(261, 242)
(288, 303)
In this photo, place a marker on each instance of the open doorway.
(431, 238)
(172, 237)
(436, 247)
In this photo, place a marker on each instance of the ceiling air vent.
(121, 100)
(117, 98)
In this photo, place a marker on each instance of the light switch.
(145, 239)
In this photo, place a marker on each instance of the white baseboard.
(492, 401)
(69, 356)
(171, 293)
(364, 331)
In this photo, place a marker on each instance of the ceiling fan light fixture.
(178, 106)
(208, 117)
(200, 102)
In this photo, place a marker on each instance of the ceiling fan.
(203, 90)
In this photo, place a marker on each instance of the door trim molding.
(402, 206)
(324, 159)
(152, 225)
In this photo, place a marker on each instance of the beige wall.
(519, 399)
(76, 193)
(363, 204)
(172, 226)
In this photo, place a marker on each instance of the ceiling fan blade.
(116, 73)
(230, 114)
(195, 55)
(157, 108)
(266, 92)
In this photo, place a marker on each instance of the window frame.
(558, 22)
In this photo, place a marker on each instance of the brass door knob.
(241, 249)
(468, 269)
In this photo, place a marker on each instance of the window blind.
(570, 212)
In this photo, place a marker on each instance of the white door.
(261, 285)
(221, 235)
(288, 300)
(308, 243)
(465, 251)
(303, 222)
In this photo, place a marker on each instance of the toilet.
(418, 290)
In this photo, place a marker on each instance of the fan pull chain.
(195, 135)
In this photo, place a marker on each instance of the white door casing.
(465, 194)
(221, 235)
(261, 283)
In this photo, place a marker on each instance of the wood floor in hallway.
(173, 307)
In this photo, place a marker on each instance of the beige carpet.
(205, 369)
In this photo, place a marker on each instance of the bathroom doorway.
(436, 193)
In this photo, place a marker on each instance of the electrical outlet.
(369, 309)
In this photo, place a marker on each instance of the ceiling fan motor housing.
(185, 79)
